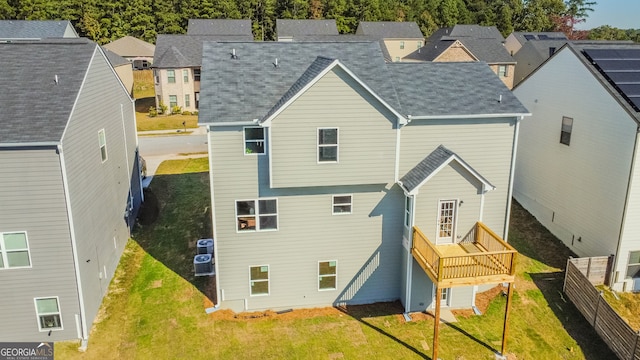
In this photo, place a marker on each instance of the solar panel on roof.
(621, 67)
(529, 37)
(543, 37)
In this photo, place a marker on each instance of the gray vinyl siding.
(99, 191)
(485, 144)
(366, 244)
(576, 191)
(631, 229)
(32, 198)
(366, 136)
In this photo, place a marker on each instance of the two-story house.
(178, 60)
(517, 39)
(339, 179)
(577, 167)
(138, 52)
(469, 43)
(69, 186)
(398, 39)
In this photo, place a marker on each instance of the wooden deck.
(482, 257)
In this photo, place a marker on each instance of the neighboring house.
(532, 54)
(331, 169)
(138, 52)
(518, 39)
(578, 170)
(399, 38)
(36, 29)
(69, 186)
(287, 30)
(469, 43)
(122, 67)
(178, 60)
(220, 27)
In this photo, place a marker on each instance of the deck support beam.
(436, 326)
(506, 319)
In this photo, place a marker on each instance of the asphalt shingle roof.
(431, 50)
(484, 42)
(249, 86)
(488, 50)
(471, 31)
(34, 107)
(449, 89)
(390, 30)
(523, 37)
(115, 59)
(179, 51)
(224, 27)
(130, 47)
(33, 29)
(290, 28)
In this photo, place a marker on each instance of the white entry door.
(446, 228)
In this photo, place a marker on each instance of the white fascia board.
(467, 116)
(33, 144)
(253, 122)
(267, 121)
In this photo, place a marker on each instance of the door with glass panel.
(446, 227)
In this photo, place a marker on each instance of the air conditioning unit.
(205, 246)
(203, 265)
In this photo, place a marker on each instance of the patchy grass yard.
(627, 305)
(161, 122)
(155, 306)
(143, 84)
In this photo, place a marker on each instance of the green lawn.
(156, 307)
(161, 122)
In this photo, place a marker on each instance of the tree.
(576, 11)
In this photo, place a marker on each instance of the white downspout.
(220, 292)
(74, 248)
(511, 173)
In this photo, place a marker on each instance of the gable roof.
(291, 28)
(180, 51)
(247, 87)
(431, 51)
(36, 109)
(469, 31)
(452, 89)
(223, 27)
(484, 42)
(36, 29)
(488, 50)
(523, 37)
(390, 29)
(617, 67)
(431, 165)
(115, 59)
(129, 46)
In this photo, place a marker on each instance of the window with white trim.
(48, 312)
(565, 131)
(185, 76)
(173, 102)
(328, 145)
(102, 141)
(171, 76)
(633, 265)
(14, 250)
(401, 45)
(259, 282)
(253, 140)
(327, 275)
(342, 204)
(187, 100)
(261, 218)
(407, 211)
(503, 71)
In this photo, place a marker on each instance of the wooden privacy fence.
(581, 276)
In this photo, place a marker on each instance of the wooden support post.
(436, 327)
(506, 319)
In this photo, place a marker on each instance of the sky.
(622, 14)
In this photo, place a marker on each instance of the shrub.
(176, 110)
(186, 113)
(162, 108)
(195, 113)
(153, 112)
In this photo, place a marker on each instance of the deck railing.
(494, 257)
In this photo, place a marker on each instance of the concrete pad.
(446, 316)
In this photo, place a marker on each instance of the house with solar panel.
(578, 168)
(70, 186)
(337, 179)
(517, 39)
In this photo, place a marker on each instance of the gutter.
(468, 116)
(33, 144)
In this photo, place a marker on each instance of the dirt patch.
(150, 208)
(483, 300)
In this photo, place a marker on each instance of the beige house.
(138, 52)
(469, 43)
(517, 39)
(399, 38)
(122, 68)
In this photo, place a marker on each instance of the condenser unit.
(205, 246)
(203, 265)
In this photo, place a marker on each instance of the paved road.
(152, 146)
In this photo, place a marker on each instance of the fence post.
(589, 269)
(635, 346)
(566, 272)
(595, 316)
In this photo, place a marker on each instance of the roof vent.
(55, 79)
(233, 54)
(276, 63)
(500, 98)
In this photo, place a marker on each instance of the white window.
(185, 76)
(328, 145)
(327, 275)
(48, 312)
(341, 204)
(102, 140)
(503, 71)
(419, 45)
(401, 45)
(14, 250)
(565, 131)
(407, 212)
(253, 140)
(259, 283)
(171, 76)
(261, 218)
(446, 220)
(633, 266)
(173, 102)
(187, 100)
